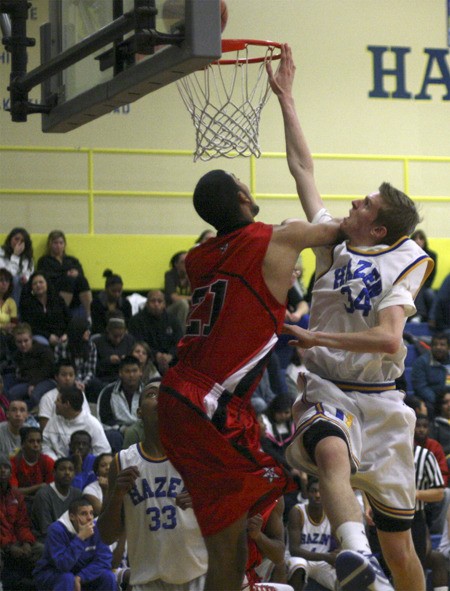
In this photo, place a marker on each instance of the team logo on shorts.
(270, 474)
(349, 420)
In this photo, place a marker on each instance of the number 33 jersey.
(352, 286)
(164, 541)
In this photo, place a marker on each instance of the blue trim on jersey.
(407, 269)
(374, 388)
(377, 253)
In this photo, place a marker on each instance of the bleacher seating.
(418, 329)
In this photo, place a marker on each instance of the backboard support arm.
(141, 19)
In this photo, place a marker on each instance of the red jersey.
(207, 424)
(234, 319)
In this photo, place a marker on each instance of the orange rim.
(229, 45)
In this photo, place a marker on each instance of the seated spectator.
(431, 372)
(80, 447)
(112, 346)
(34, 368)
(31, 469)
(161, 332)
(312, 549)
(118, 402)
(109, 300)
(144, 354)
(79, 349)
(417, 404)
(95, 491)
(440, 427)
(421, 437)
(44, 310)
(425, 298)
(66, 274)
(19, 549)
(16, 415)
(8, 307)
(68, 419)
(177, 289)
(16, 255)
(53, 499)
(64, 376)
(74, 555)
(440, 313)
(263, 394)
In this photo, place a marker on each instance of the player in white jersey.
(352, 425)
(312, 548)
(145, 495)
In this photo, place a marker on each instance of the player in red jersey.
(239, 283)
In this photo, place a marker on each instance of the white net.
(225, 101)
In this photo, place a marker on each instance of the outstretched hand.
(281, 81)
(302, 338)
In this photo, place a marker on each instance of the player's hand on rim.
(281, 81)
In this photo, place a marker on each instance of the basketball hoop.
(225, 103)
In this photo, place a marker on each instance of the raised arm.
(299, 157)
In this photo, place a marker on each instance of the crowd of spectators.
(72, 368)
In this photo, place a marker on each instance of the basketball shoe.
(358, 571)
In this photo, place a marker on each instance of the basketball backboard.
(114, 74)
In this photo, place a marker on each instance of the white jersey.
(352, 286)
(164, 542)
(315, 537)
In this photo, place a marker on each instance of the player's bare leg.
(356, 568)
(404, 564)
(227, 557)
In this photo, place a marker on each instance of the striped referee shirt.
(428, 472)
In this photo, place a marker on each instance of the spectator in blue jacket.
(431, 373)
(74, 555)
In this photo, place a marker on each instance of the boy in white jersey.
(352, 425)
(165, 547)
(310, 542)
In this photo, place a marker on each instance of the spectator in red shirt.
(31, 469)
(421, 438)
(19, 549)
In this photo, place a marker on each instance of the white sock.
(443, 588)
(352, 536)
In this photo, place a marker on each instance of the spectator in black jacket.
(112, 346)
(44, 310)
(65, 273)
(34, 368)
(161, 332)
(109, 300)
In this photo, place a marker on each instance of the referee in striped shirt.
(429, 489)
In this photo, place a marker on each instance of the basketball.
(223, 14)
